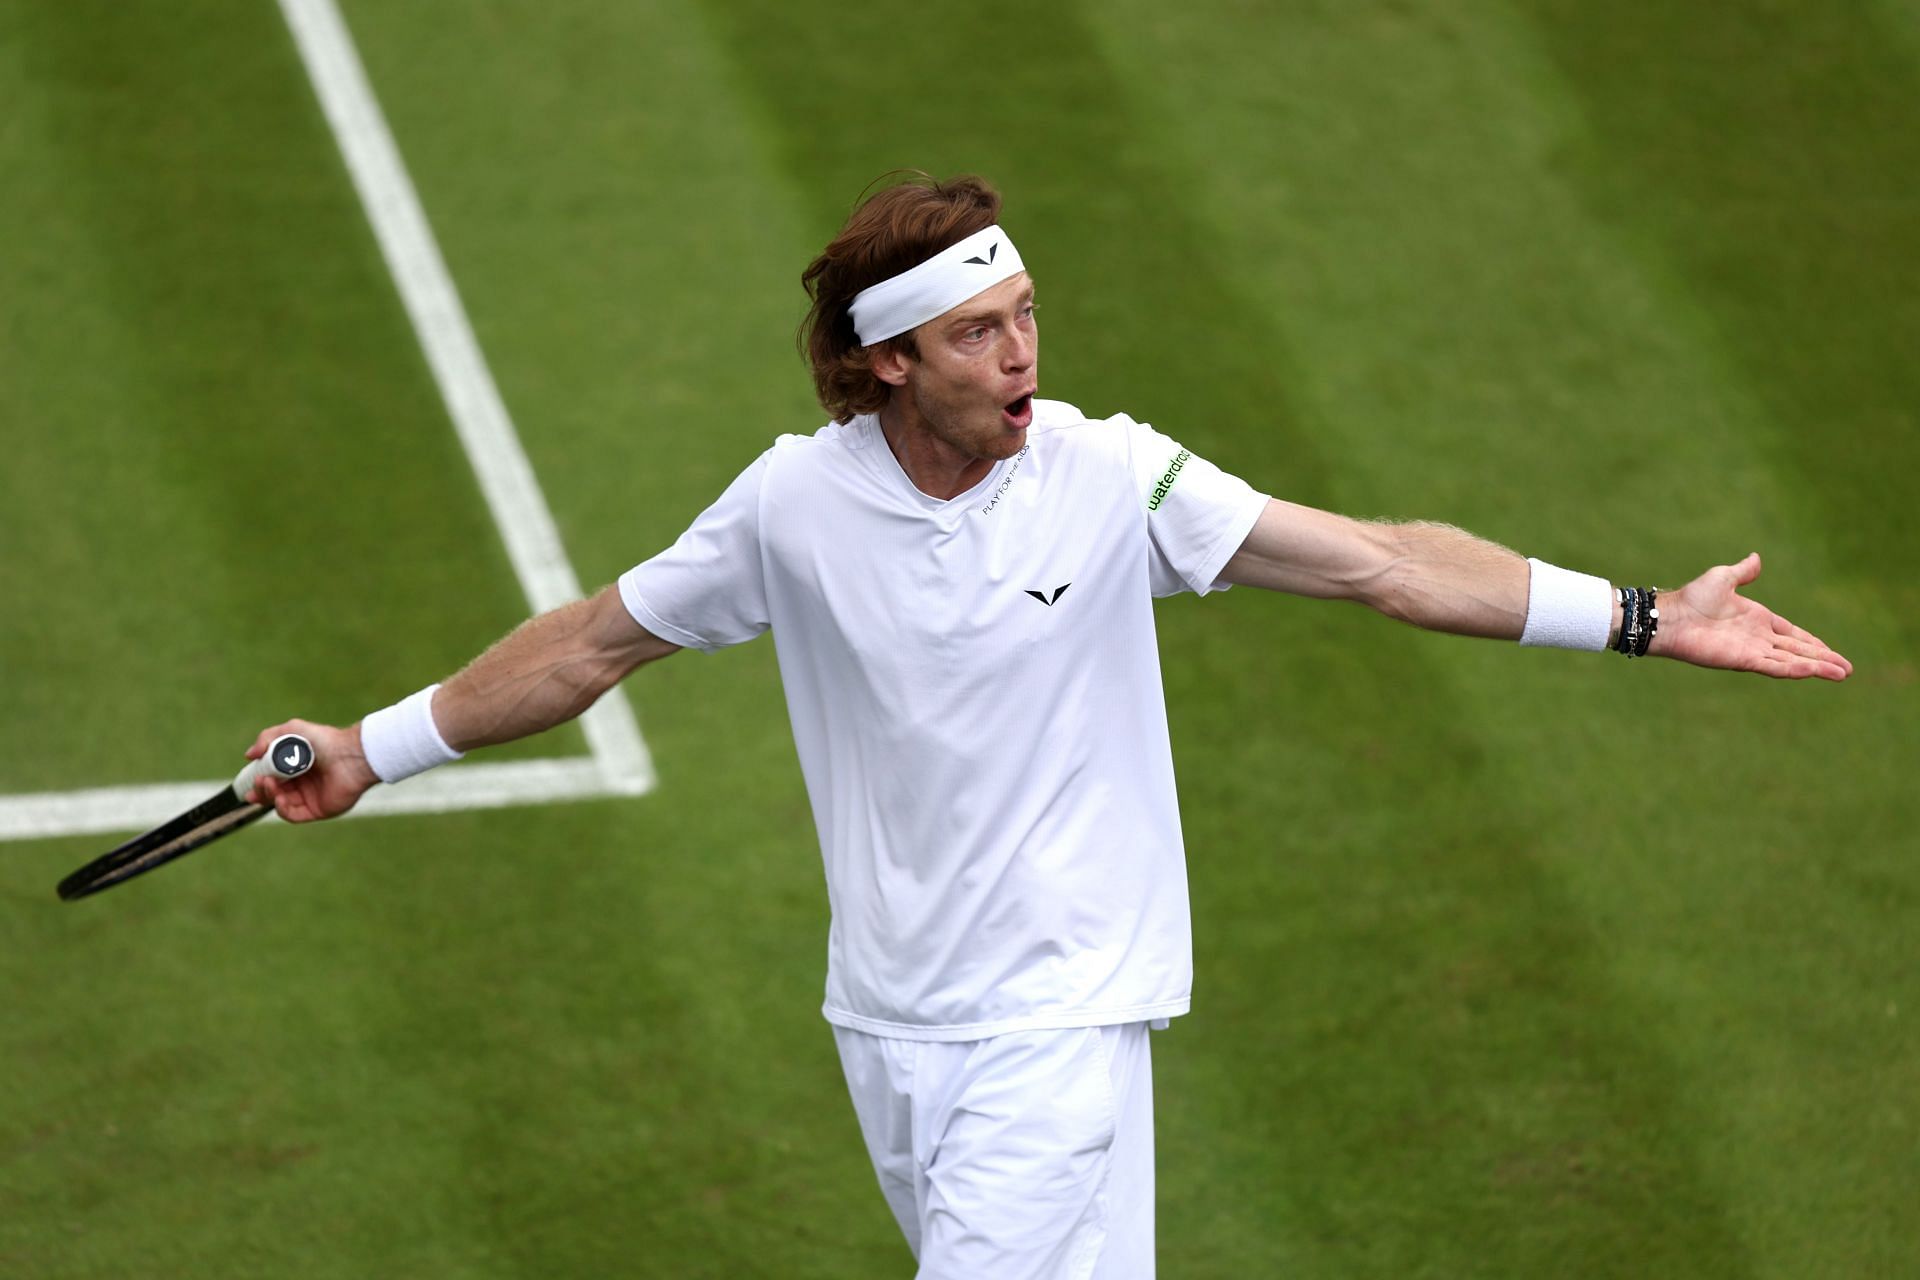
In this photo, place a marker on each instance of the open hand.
(1710, 624)
(339, 777)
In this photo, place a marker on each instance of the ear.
(889, 364)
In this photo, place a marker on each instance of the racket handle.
(287, 756)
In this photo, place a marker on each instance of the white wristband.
(402, 740)
(1567, 610)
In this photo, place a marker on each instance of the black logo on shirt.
(1041, 596)
(987, 261)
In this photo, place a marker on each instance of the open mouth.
(1019, 413)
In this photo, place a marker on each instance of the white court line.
(407, 243)
(480, 785)
(620, 763)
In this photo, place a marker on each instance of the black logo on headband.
(988, 260)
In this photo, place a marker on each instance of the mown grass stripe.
(1766, 157)
(1762, 161)
(213, 415)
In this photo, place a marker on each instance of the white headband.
(935, 287)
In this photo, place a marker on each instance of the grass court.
(1510, 963)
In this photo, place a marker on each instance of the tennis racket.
(288, 756)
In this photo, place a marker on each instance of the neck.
(935, 466)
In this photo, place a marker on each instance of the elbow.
(617, 645)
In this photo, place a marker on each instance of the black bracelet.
(1639, 619)
(1629, 619)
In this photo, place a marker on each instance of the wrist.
(351, 755)
(402, 740)
(1567, 610)
(1661, 643)
(1639, 614)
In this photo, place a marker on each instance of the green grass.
(1510, 964)
(214, 406)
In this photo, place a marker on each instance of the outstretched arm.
(545, 672)
(1444, 579)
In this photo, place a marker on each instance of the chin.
(1009, 443)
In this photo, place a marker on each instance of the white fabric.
(935, 287)
(402, 740)
(1023, 1156)
(975, 693)
(1567, 610)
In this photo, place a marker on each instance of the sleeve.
(1197, 514)
(708, 590)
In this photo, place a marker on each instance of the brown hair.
(896, 228)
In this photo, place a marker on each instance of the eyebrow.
(975, 317)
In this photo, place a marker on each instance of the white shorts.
(1027, 1156)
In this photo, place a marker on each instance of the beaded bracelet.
(1639, 619)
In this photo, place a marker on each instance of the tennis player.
(959, 580)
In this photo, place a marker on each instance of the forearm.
(543, 673)
(1429, 575)
(1445, 579)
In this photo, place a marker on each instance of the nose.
(1024, 349)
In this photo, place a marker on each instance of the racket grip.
(287, 756)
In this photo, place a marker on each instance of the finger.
(1796, 661)
(1831, 654)
(266, 737)
(302, 805)
(1804, 645)
(290, 802)
(1821, 653)
(1816, 647)
(1783, 627)
(1796, 667)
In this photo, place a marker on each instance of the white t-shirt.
(974, 687)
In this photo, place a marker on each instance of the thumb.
(1747, 570)
(266, 736)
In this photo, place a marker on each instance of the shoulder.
(825, 450)
(1059, 425)
(834, 438)
(1062, 428)
(1057, 417)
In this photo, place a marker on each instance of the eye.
(974, 334)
